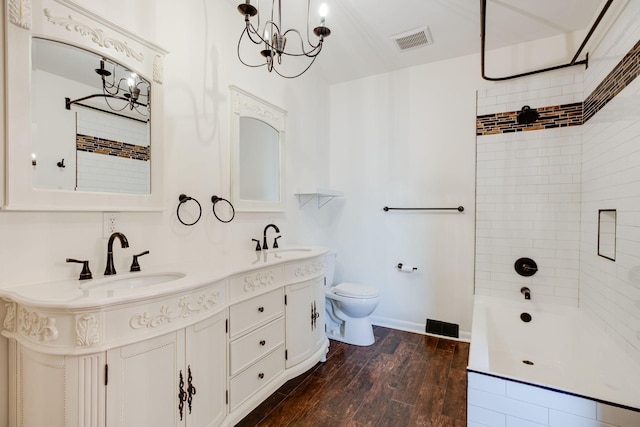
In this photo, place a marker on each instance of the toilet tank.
(331, 266)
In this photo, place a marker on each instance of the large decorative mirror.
(257, 141)
(89, 135)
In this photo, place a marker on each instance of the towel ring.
(216, 199)
(183, 199)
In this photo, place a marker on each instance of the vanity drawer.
(303, 270)
(256, 311)
(251, 347)
(256, 377)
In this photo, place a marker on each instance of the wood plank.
(455, 399)
(404, 379)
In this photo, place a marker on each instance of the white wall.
(407, 139)
(197, 72)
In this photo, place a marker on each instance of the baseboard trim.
(417, 328)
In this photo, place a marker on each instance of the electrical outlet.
(109, 224)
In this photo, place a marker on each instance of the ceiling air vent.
(413, 38)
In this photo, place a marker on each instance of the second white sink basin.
(282, 250)
(135, 280)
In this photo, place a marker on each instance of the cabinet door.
(206, 359)
(299, 311)
(143, 382)
(319, 334)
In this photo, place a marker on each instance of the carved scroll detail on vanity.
(269, 114)
(310, 269)
(20, 13)
(37, 325)
(87, 331)
(97, 35)
(10, 318)
(259, 280)
(185, 308)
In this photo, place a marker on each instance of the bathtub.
(558, 369)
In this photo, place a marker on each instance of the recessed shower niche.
(607, 219)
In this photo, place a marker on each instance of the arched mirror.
(84, 132)
(257, 141)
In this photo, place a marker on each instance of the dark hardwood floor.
(404, 379)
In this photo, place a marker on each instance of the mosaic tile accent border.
(569, 114)
(550, 117)
(619, 78)
(108, 147)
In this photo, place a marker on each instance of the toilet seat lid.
(355, 290)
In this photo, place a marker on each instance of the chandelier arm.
(297, 75)
(309, 53)
(250, 29)
(106, 99)
(240, 57)
(308, 16)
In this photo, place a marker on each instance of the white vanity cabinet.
(176, 379)
(305, 319)
(198, 351)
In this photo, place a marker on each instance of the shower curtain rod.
(459, 209)
(483, 21)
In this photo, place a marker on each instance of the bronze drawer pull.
(261, 309)
(261, 375)
(262, 342)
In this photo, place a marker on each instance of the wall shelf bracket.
(322, 195)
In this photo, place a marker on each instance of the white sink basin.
(282, 250)
(136, 280)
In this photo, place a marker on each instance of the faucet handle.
(275, 242)
(134, 264)
(258, 248)
(85, 273)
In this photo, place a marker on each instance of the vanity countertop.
(99, 292)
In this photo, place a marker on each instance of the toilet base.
(353, 331)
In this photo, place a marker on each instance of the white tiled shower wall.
(610, 291)
(111, 174)
(528, 193)
(103, 173)
(541, 90)
(111, 127)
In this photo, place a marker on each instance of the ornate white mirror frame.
(67, 22)
(246, 105)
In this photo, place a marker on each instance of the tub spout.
(526, 292)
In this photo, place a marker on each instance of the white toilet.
(348, 307)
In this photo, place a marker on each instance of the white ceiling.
(360, 43)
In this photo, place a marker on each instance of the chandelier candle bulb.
(324, 10)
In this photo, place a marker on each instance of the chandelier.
(129, 90)
(272, 38)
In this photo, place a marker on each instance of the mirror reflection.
(90, 122)
(259, 161)
(257, 153)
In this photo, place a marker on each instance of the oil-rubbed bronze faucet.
(123, 243)
(264, 235)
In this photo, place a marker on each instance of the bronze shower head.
(527, 115)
